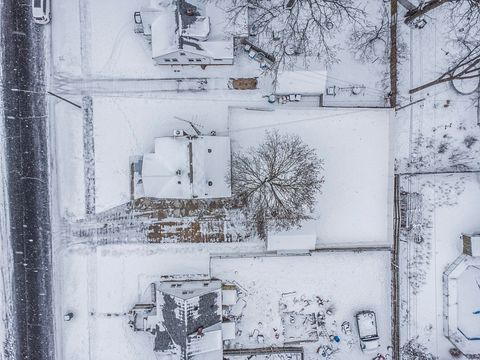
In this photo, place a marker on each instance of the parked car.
(41, 11)
(367, 331)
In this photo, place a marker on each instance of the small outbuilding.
(229, 295)
(471, 244)
(299, 240)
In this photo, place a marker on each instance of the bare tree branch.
(466, 67)
(304, 27)
(277, 181)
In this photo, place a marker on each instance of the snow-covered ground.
(110, 280)
(91, 41)
(448, 207)
(101, 285)
(346, 282)
(95, 51)
(356, 200)
(355, 204)
(6, 258)
(439, 133)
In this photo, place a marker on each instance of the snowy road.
(25, 123)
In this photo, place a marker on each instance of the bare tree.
(422, 9)
(412, 350)
(467, 66)
(277, 181)
(288, 28)
(370, 41)
(464, 14)
(464, 19)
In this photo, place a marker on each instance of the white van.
(367, 331)
(41, 11)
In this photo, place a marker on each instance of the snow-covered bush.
(413, 350)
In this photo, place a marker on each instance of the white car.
(367, 331)
(41, 11)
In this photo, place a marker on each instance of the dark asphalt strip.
(26, 128)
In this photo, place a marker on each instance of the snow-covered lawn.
(110, 280)
(346, 282)
(441, 131)
(126, 127)
(449, 208)
(356, 200)
(69, 163)
(96, 39)
(100, 286)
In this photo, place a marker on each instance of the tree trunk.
(431, 83)
(393, 53)
(421, 10)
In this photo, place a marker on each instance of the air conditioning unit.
(178, 133)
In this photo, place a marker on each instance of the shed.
(296, 240)
(229, 296)
(228, 330)
(471, 244)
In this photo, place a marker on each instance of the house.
(185, 167)
(186, 319)
(182, 33)
(471, 244)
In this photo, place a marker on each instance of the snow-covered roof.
(198, 29)
(190, 314)
(172, 31)
(163, 41)
(208, 344)
(165, 172)
(475, 240)
(302, 239)
(301, 82)
(186, 290)
(228, 330)
(186, 168)
(229, 297)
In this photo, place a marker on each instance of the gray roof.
(184, 315)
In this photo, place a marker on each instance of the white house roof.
(211, 164)
(228, 330)
(302, 239)
(162, 27)
(186, 168)
(475, 245)
(210, 342)
(229, 297)
(169, 33)
(301, 82)
(165, 172)
(186, 290)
